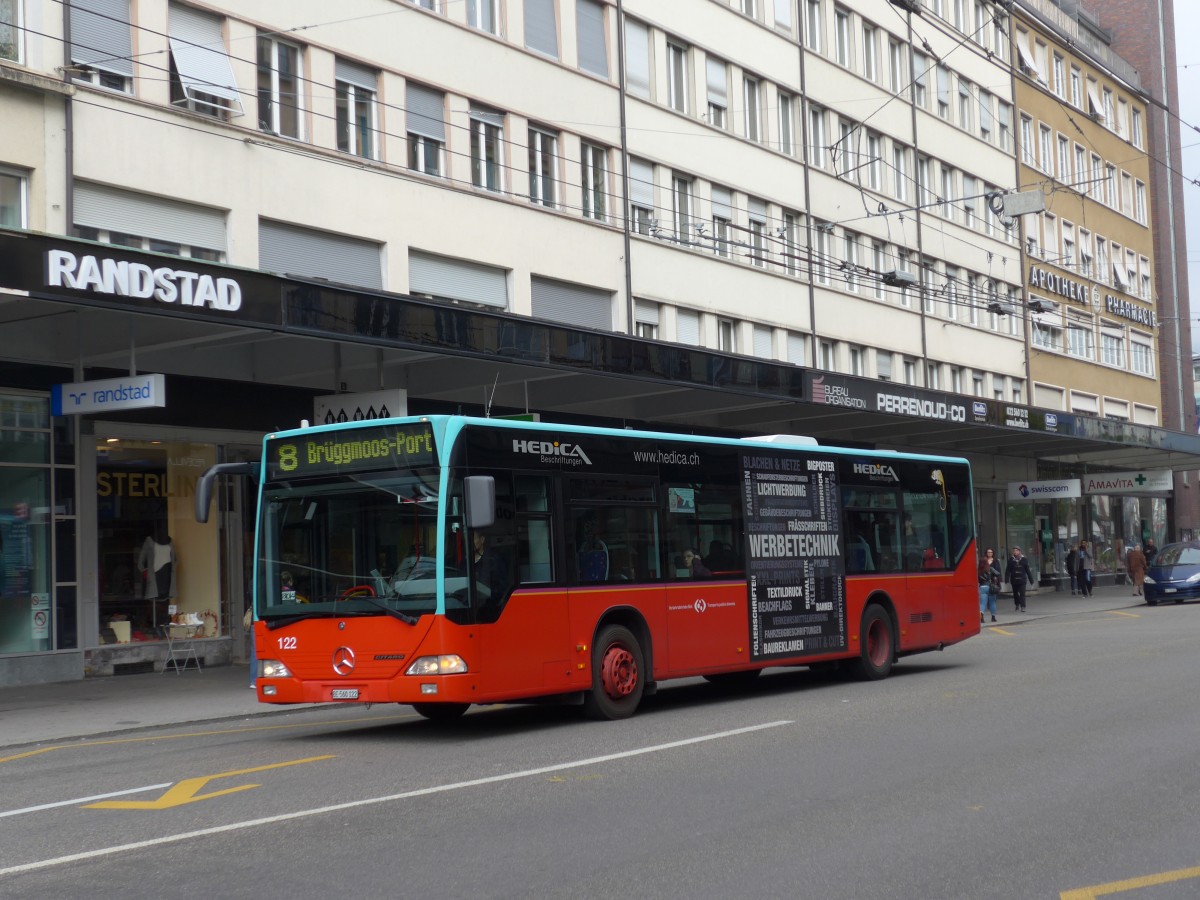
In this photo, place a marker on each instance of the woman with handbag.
(989, 583)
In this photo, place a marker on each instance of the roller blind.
(593, 49)
(646, 311)
(641, 183)
(637, 58)
(426, 112)
(100, 35)
(353, 73)
(573, 303)
(198, 50)
(717, 82)
(687, 327)
(291, 250)
(541, 31)
(795, 348)
(457, 279)
(762, 342)
(722, 203)
(104, 207)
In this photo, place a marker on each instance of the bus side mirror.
(204, 485)
(479, 494)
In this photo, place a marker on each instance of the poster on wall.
(794, 559)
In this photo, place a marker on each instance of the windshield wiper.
(284, 621)
(394, 613)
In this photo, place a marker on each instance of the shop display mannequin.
(156, 563)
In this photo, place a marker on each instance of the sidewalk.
(95, 706)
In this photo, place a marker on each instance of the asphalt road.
(1052, 759)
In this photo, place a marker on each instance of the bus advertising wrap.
(794, 555)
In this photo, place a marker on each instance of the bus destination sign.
(369, 449)
(794, 559)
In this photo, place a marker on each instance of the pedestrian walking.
(1018, 574)
(1135, 562)
(989, 583)
(1083, 568)
(1151, 551)
(1071, 557)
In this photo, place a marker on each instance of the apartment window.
(897, 66)
(354, 100)
(1131, 271)
(1004, 121)
(1080, 182)
(1122, 118)
(726, 336)
(646, 319)
(641, 195)
(1079, 340)
(874, 161)
(279, 109)
(821, 233)
(970, 200)
(948, 179)
(1110, 118)
(920, 73)
(1095, 186)
(900, 171)
(1127, 193)
(484, 15)
(933, 376)
(796, 348)
(841, 36)
(1067, 260)
(718, 91)
(543, 166)
(541, 29)
(817, 140)
(1110, 185)
(750, 8)
(637, 58)
(943, 91)
(1112, 345)
(1086, 253)
(879, 264)
(1076, 87)
(681, 205)
(857, 363)
(791, 241)
(1102, 260)
(883, 365)
(12, 200)
(828, 356)
(1141, 354)
(813, 24)
(1028, 156)
(201, 76)
(850, 260)
(870, 51)
(1046, 148)
(677, 77)
(910, 371)
(1059, 86)
(924, 181)
(985, 115)
(1064, 159)
(1136, 129)
(142, 221)
(591, 40)
(594, 165)
(426, 127)
(966, 104)
(487, 167)
(752, 98)
(102, 44)
(787, 123)
(758, 232)
(977, 384)
(722, 216)
(1139, 201)
(10, 30)
(846, 150)
(998, 387)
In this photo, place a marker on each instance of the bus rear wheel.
(618, 675)
(877, 645)
(440, 712)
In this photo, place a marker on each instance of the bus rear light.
(273, 668)
(446, 664)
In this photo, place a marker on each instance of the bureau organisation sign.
(794, 555)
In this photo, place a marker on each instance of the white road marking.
(371, 801)
(29, 809)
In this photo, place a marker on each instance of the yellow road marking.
(185, 791)
(1131, 884)
(193, 734)
(1117, 612)
(995, 628)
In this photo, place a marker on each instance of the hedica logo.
(560, 452)
(875, 470)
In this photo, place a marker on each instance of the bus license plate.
(345, 693)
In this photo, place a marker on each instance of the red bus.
(447, 561)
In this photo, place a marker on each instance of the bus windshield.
(358, 545)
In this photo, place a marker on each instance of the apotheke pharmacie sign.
(1089, 294)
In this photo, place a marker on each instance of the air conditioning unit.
(898, 278)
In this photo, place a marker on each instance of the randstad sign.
(1060, 489)
(108, 395)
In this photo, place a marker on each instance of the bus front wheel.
(877, 645)
(618, 675)
(440, 712)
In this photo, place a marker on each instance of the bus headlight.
(447, 664)
(272, 668)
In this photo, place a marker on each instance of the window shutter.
(722, 203)
(199, 53)
(641, 183)
(100, 35)
(717, 87)
(795, 348)
(576, 304)
(457, 279)
(646, 311)
(291, 250)
(762, 342)
(353, 73)
(687, 327)
(758, 209)
(541, 31)
(426, 112)
(637, 58)
(593, 49)
(100, 206)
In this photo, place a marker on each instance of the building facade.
(761, 215)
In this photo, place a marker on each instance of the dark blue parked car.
(1174, 574)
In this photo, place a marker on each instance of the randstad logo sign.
(555, 452)
(133, 279)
